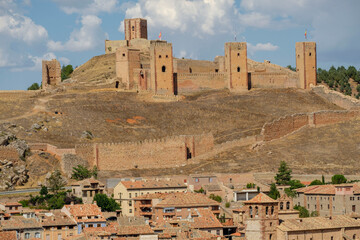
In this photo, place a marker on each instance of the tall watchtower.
(51, 73)
(261, 218)
(135, 28)
(161, 65)
(306, 63)
(236, 65)
(127, 60)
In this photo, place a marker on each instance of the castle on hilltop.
(149, 65)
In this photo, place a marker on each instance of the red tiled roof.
(151, 196)
(57, 219)
(135, 230)
(19, 222)
(242, 209)
(261, 198)
(206, 219)
(8, 235)
(84, 210)
(153, 184)
(318, 189)
(88, 182)
(11, 204)
(186, 200)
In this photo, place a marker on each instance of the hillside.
(119, 116)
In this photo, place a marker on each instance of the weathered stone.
(87, 135)
(20, 146)
(37, 126)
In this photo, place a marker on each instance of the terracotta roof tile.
(19, 222)
(261, 198)
(151, 196)
(78, 211)
(316, 223)
(153, 184)
(8, 235)
(186, 200)
(205, 219)
(57, 219)
(11, 204)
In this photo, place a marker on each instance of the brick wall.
(336, 98)
(331, 117)
(8, 153)
(158, 153)
(188, 82)
(284, 126)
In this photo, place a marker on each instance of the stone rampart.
(192, 82)
(273, 80)
(194, 66)
(9, 153)
(57, 152)
(283, 126)
(155, 153)
(331, 117)
(336, 98)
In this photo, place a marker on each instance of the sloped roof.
(8, 235)
(261, 198)
(153, 184)
(206, 219)
(151, 196)
(87, 182)
(318, 189)
(77, 210)
(19, 222)
(186, 200)
(316, 223)
(57, 219)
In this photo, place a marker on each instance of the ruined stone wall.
(200, 81)
(331, 117)
(272, 80)
(336, 98)
(112, 46)
(284, 126)
(9, 153)
(158, 153)
(45, 147)
(194, 66)
(51, 73)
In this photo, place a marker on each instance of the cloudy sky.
(74, 30)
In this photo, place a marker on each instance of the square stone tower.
(126, 61)
(306, 63)
(161, 65)
(236, 65)
(261, 218)
(51, 73)
(135, 28)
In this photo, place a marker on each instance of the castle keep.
(51, 73)
(149, 65)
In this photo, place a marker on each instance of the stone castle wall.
(193, 82)
(336, 98)
(157, 153)
(272, 80)
(57, 152)
(9, 153)
(289, 124)
(194, 66)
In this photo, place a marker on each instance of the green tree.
(316, 182)
(215, 198)
(351, 72)
(44, 191)
(338, 179)
(80, 172)
(34, 86)
(303, 212)
(94, 172)
(201, 190)
(227, 204)
(283, 176)
(56, 182)
(105, 203)
(291, 68)
(274, 193)
(66, 71)
(250, 185)
(322, 179)
(314, 214)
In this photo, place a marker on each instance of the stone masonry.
(51, 73)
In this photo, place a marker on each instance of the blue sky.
(73, 31)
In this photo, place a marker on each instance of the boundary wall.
(193, 82)
(58, 152)
(9, 153)
(336, 98)
(289, 124)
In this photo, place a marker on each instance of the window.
(250, 211)
(135, 194)
(129, 195)
(238, 54)
(59, 227)
(90, 225)
(59, 236)
(130, 203)
(238, 69)
(159, 56)
(163, 69)
(256, 211)
(310, 54)
(123, 54)
(272, 210)
(328, 206)
(270, 224)
(267, 210)
(210, 179)
(37, 235)
(133, 28)
(287, 205)
(196, 180)
(217, 232)
(321, 206)
(353, 208)
(167, 56)
(270, 236)
(130, 210)
(27, 235)
(354, 236)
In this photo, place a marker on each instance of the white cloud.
(198, 17)
(87, 7)
(37, 62)
(261, 47)
(89, 36)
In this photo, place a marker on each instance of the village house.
(319, 228)
(87, 188)
(57, 225)
(25, 228)
(144, 204)
(330, 200)
(286, 208)
(125, 191)
(180, 206)
(85, 215)
(12, 208)
(197, 181)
